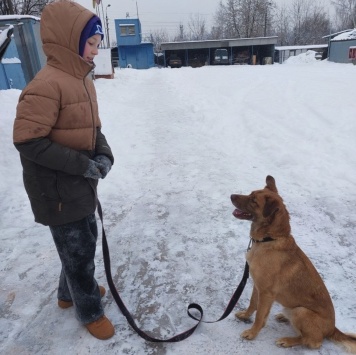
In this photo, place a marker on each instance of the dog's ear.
(271, 184)
(270, 208)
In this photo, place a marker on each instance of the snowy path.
(184, 140)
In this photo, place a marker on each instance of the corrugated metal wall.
(29, 46)
(26, 38)
(339, 50)
(11, 73)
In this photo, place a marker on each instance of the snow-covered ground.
(184, 141)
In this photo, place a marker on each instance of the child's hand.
(104, 161)
(94, 170)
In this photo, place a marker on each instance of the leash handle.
(197, 307)
(234, 299)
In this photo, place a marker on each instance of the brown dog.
(283, 273)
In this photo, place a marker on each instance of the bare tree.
(215, 33)
(22, 7)
(316, 25)
(244, 18)
(219, 25)
(345, 17)
(6, 7)
(197, 27)
(254, 17)
(282, 25)
(298, 13)
(158, 37)
(310, 22)
(226, 20)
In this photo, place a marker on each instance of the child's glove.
(105, 162)
(94, 170)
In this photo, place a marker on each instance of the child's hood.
(61, 26)
(62, 23)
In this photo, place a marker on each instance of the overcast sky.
(163, 14)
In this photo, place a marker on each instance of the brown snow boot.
(101, 329)
(67, 304)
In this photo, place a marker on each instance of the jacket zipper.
(94, 133)
(91, 109)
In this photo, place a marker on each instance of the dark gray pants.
(76, 244)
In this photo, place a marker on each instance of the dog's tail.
(347, 340)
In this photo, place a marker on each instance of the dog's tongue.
(241, 215)
(237, 213)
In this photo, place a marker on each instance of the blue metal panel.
(137, 57)
(148, 48)
(11, 50)
(128, 32)
(41, 57)
(15, 77)
(132, 57)
(4, 84)
(339, 51)
(28, 43)
(11, 66)
(132, 53)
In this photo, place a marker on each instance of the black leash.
(126, 313)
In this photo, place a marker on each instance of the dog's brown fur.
(283, 273)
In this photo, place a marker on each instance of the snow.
(14, 17)
(311, 46)
(303, 58)
(345, 36)
(13, 60)
(3, 34)
(184, 141)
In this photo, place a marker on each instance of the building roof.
(236, 42)
(345, 36)
(310, 46)
(19, 17)
(332, 35)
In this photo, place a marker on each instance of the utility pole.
(266, 17)
(107, 27)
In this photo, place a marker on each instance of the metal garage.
(258, 50)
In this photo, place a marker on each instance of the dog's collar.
(264, 240)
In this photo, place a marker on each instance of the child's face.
(91, 48)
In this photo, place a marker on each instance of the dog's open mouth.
(242, 215)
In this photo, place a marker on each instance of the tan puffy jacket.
(60, 102)
(57, 126)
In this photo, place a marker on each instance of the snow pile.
(304, 58)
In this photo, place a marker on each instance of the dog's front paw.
(288, 342)
(242, 315)
(283, 343)
(248, 334)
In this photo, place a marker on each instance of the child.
(57, 131)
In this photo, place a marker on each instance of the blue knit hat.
(93, 27)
